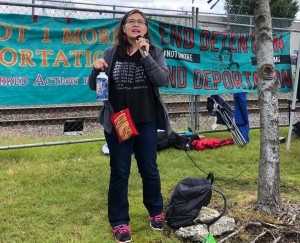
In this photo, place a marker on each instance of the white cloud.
(169, 5)
(187, 5)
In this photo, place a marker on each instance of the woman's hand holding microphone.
(143, 45)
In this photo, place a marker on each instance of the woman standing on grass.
(135, 70)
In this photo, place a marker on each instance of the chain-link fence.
(184, 110)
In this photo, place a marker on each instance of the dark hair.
(225, 49)
(122, 42)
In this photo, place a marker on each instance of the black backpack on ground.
(296, 128)
(187, 199)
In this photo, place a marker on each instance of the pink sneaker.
(122, 233)
(157, 222)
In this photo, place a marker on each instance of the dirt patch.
(252, 226)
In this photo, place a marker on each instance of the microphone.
(143, 47)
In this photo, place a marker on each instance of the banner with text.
(46, 60)
(212, 62)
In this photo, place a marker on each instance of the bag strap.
(210, 177)
(212, 221)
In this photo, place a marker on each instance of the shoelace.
(122, 229)
(159, 217)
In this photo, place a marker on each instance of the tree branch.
(238, 230)
(259, 236)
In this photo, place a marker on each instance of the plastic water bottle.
(102, 86)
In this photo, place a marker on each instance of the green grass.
(59, 193)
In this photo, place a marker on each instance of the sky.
(177, 5)
(165, 4)
(173, 5)
(203, 6)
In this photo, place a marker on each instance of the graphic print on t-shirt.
(129, 76)
(131, 88)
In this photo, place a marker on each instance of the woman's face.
(135, 25)
(225, 54)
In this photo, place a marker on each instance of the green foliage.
(59, 193)
(279, 8)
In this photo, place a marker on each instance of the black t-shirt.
(130, 87)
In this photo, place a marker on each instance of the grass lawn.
(59, 193)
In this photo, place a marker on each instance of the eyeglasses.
(134, 21)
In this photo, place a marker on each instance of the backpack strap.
(210, 177)
(212, 221)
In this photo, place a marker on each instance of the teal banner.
(46, 60)
(213, 62)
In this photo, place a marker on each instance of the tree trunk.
(268, 199)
